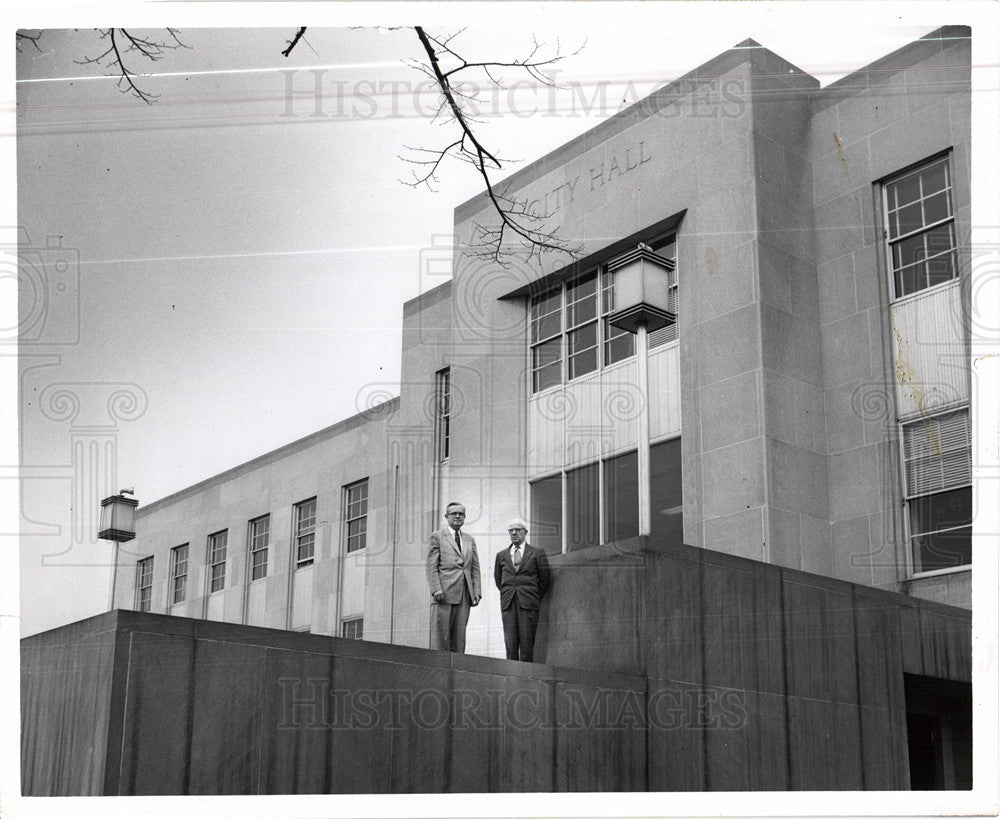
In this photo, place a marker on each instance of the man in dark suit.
(453, 576)
(522, 574)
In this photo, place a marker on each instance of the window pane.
(910, 280)
(546, 377)
(357, 531)
(582, 301)
(545, 312)
(939, 240)
(665, 491)
(933, 178)
(943, 510)
(941, 269)
(353, 629)
(620, 344)
(908, 219)
(621, 497)
(583, 350)
(906, 190)
(546, 514)
(943, 550)
(545, 327)
(908, 251)
(936, 208)
(582, 519)
(545, 364)
(305, 554)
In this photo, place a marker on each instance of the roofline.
(874, 72)
(642, 109)
(428, 299)
(885, 67)
(368, 416)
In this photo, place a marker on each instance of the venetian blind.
(937, 453)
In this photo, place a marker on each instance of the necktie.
(517, 556)
(458, 540)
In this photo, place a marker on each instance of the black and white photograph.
(529, 409)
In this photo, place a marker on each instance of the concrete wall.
(699, 671)
(813, 667)
(196, 707)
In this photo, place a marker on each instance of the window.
(356, 515)
(260, 530)
(665, 495)
(353, 629)
(144, 584)
(621, 497)
(920, 228)
(583, 526)
(217, 561)
(546, 514)
(305, 533)
(178, 574)
(937, 454)
(573, 317)
(442, 431)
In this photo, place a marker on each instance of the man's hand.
(476, 599)
(438, 596)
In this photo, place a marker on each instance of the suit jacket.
(448, 571)
(528, 583)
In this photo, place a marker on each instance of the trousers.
(519, 625)
(448, 622)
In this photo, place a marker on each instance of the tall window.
(305, 533)
(937, 455)
(665, 492)
(356, 515)
(583, 522)
(260, 530)
(621, 497)
(546, 514)
(920, 228)
(217, 544)
(178, 574)
(144, 584)
(443, 420)
(353, 629)
(570, 334)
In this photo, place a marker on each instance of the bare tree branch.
(122, 42)
(26, 37)
(294, 41)
(516, 218)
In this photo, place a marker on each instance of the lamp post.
(118, 525)
(641, 287)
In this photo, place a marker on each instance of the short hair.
(454, 503)
(517, 523)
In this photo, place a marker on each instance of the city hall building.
(796, 403)
(807, 407)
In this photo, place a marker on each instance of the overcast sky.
(242, 264)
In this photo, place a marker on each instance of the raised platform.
(669, 669)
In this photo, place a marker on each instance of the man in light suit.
(453, 575)
(522, 574)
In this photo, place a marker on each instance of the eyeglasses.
(456, 514)
(517, 529)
